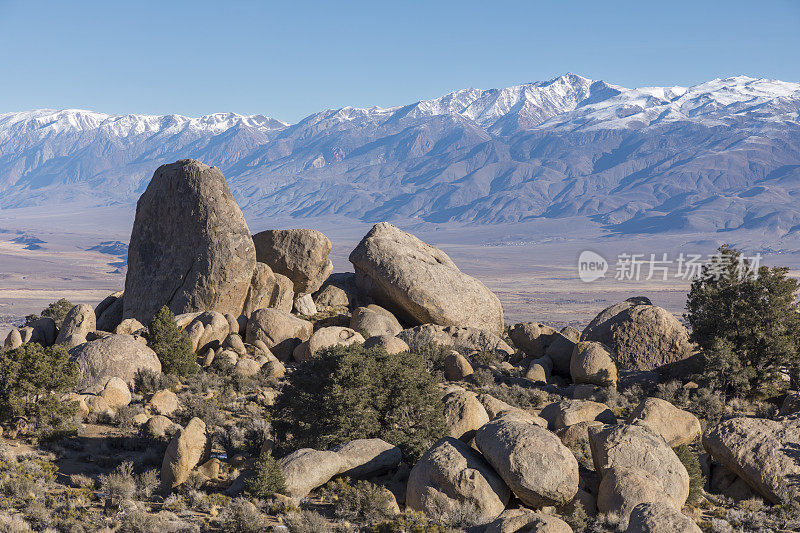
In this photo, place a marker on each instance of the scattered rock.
(299, 254)
(363, 458)
(622, 489)
(339, 290)
(119, 356)
(268, 290)
(304, 305)
(116, 393)
(573, 334)
(456, 367)
(675, 425)
(639, 447)
(186, 450)
(463, 414)
(279, 330)
(462, 339)
(420, 283)
(526, 520)
(160, 426)
(591, 362)
(391, 345)
(109, 312)
(79, 322)
(246, 367)
(13, 340)
(569, 412)
(533, 462)
(129, 326)
(326, 338)
(207, 330)
(374, 321)
(190, 247)
(307, 469)
(164, 402)
(45, 331)
(451, 474)
(495, 408)
(641, 336)
(539, 370)
(560, 352)
(762, 452)
(235, 343)
(655, 517)
(532, 338)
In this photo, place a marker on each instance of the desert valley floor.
(532, 267)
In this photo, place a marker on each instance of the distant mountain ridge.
(718, 156)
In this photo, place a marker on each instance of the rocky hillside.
(239, 385)
(722, 155)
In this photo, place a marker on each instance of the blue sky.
(290, 59)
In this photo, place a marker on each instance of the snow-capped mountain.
(718, 156)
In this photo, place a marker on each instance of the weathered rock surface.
(339, 290)
(307, 469)
(45, 331)
(304, 305)
(391, 345)
(462, 339)
(639, 447)
(496, 408)
(374, 321)
(129, 326)
(420, 283)
(190, 247)
(656, 517)
(675, 425)
(463, 414)
(451, 473)
(115, 355)
(533, 462)
(532, 338)
(109, 311)
(762, 452)
(456, 367)
(299, 254)
(116, 393)
(326, 338)
(622, 489)
(591, 362)
(13, 340)
(186, 450)
(570, 412)
(79, 322)
(164, 402)
(527, 521)
(268, 290)
(279, 330)
(641, 336)
(362, 458)
(207, 330)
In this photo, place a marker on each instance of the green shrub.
(692, 465)
(267, 478)
(745, 322)
(241, 516)
(28, 375)
(56, 310)
(360, 501)
(349, 393)
(171, 344)
(409, 522)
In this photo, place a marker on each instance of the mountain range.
(719, 156)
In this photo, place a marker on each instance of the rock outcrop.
(420, 284)
(119, 356)
(299, 254)
(190, 247)
(451, 474)
(641, 336)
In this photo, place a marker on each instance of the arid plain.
(532, 267)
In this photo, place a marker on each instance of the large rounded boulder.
(675, 425)
(640, 448)
(762, 452)
(533, 462)
(642, 336)
(190, 247)
(299, 254)
(451, 474)
(280, 331)
(420, 284)
(121, 356)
